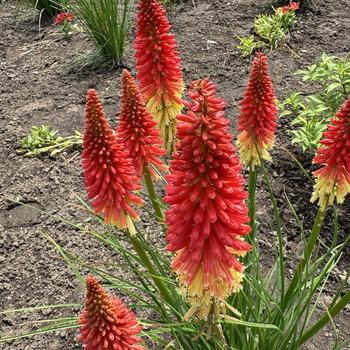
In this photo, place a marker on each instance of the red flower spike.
(109, 175)
(207, 216)
(258, 114)
(106, 323)
(333, 178)
(158, 68)
(293, 6)
(137, 130)
(60, 18)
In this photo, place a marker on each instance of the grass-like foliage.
(313, 111)
(107, 24)
(43, 139)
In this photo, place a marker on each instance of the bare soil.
(41, 83)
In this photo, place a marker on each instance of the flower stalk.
(153, 196)
(106, 322)
(109, 174)
(151, 269)
(159, 68)
(316, 229)
(258, 115)
(207, 217)
(252, 200)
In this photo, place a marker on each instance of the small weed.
(43, 139)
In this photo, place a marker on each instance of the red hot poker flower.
(137, 130)
(63, 16)
(293, 6)
(158, 68)
(60, 18)
(106, 323)
(207, 216)
(333, 178)
(109, 175)
(258, 114)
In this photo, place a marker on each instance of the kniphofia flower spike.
(207, 216)
(158, 68)
(293, 6)
(137, 130)
(106, 323)
(258, 114)
(109, 175)
(333, 178)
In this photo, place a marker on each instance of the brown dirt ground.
(39, 84)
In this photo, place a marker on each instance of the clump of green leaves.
(274, 29)
(271, 29)
(248, 45)
(43, 139)
(313, 112)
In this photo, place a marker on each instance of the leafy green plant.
(272, 30)
(313, 112)
(248, 45)
(107, 24)
(43, 139)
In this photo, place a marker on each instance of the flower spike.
(333, 178)
(106, 323)
(258, 114)
(207, 216)
(137, 130)
(158, 68)
(109, 175)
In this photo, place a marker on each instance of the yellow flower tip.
(130, 225)
(328, 189)
(164, 113)
(211, 296)
(250, 153)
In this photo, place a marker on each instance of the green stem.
(154, 274)
(252, 200)
(252, 223)
(307, 253)
(279, 233)
(330, 313)
(153, 196)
